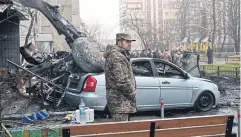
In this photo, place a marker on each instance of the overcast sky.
(105, 12)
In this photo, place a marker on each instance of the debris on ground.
(225, 83)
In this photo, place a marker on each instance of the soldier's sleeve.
(122, 80)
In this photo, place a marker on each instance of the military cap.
(124, 36)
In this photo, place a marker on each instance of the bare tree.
(223, 26)
(90, 30)
(214, 22)
(148, 34)
(214, 14)
(131, 22)
(169, 33)
(204, 23)
(233, 22)
(93, 32)
(184, 18)
(225, 21)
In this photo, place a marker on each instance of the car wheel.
(107, 112)
(204, 102)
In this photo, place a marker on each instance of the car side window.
(142, 68)
(168, 71)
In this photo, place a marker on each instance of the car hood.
(201, 79)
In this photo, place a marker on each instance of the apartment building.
(69, 10)
(163, 16)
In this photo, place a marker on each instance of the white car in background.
(160, 80)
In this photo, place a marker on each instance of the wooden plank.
(145, 125)
(130, 134)
(193, 131)
(181, 132)
(26, 133)
(60, 132)
(218, 135)
(146, 134)
(44, 132)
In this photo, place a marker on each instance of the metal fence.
(221, 70)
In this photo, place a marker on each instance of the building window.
(166, 13)
(164, 5)
(134, 5)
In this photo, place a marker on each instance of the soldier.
(120, 80)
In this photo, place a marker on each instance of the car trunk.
(76, 82)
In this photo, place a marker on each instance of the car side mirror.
(186, 76)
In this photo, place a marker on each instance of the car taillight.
(90, 84)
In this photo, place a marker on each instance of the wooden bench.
(214, 126)
(234, 59)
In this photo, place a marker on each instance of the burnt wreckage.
(85, 57)
(85, 53)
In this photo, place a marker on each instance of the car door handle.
(165, 82)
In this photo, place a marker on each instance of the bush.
(234, 64)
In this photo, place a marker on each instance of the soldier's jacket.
(120, 81)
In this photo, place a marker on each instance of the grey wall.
(9, 40)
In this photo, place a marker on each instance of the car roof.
(146, 58)
(143, 58)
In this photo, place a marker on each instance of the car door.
(147, 86)
(176, 90)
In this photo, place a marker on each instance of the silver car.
(156, 79)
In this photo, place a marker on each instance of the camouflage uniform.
(120, 83)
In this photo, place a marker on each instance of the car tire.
(107, 112)
(204, 102)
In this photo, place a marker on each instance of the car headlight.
(215, 86)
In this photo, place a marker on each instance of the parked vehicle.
(162, 80)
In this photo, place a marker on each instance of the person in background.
(143, 53)
(166, 56)
(156, 54)
(149, 54)
(210, 55)
(132, 54)
(137, 54)
(177, 58)
(120, 80)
